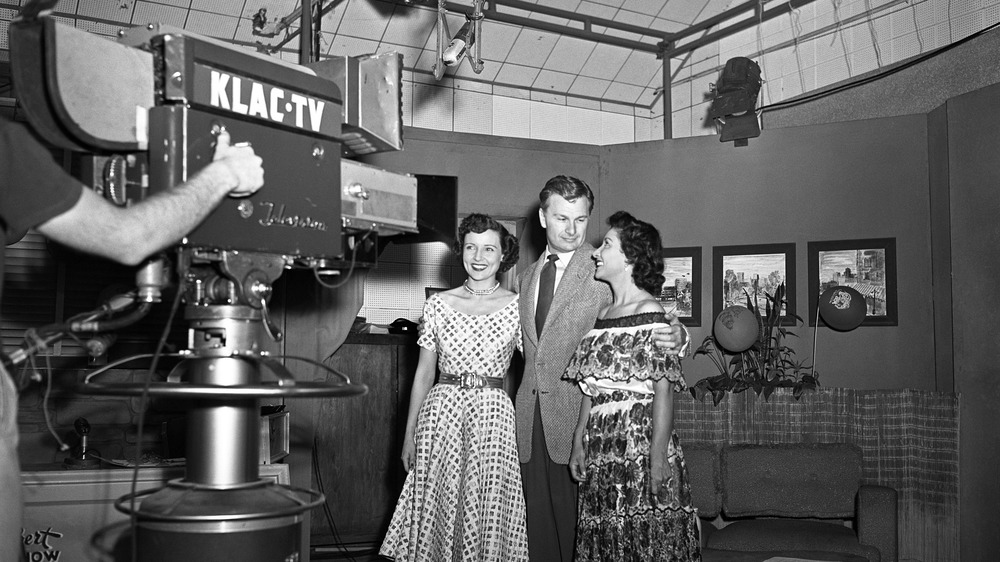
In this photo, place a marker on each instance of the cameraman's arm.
(130, 234)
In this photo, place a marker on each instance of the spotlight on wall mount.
(734, 105)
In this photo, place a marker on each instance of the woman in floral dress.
(462, 498)
(635, 498)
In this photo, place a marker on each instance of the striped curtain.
(909, 439)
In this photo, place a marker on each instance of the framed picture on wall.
(754, 270)
(681, 292)
(866, 265)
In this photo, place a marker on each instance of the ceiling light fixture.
(459, 45)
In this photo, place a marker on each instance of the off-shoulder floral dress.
(616, 364)
(463, 498)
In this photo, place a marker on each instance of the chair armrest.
(707, 528)
(878, 520)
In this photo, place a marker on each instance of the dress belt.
(470, 380)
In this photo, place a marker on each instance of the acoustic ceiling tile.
(488, 73)
(548, 97)
(177, 3)
(498, 39)
(511, 117)
(473, 113)
(625, 93)
(597, 10)
(554, 81)
(343, 45)
(332, 19)
(410, 54)
(684, 11)
(226, 7)
(532, 47)
(617, 128)
(650, 7)
(650, 98)
(566, 5)
(473, 86)
(212, 25)
(148, 12)
(548, 122)
(411, 27)
(584, 123)
(639, 68)
(516, 75)
(433, 107)
(569, 55)
(664, 25)
(453, 22)
(633, 18)
(113, 11)
(365, 20)
(605, 61)
(583, 103)
(612, 3)
(589, 87)
(424, 62)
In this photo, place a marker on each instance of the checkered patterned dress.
(463, 499)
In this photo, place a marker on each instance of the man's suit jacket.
(577, 301)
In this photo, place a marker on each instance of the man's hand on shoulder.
(673, 338)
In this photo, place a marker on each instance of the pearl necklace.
(480, 292)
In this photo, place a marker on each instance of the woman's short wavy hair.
(643, 248)
(479, 223)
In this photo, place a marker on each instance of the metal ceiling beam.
(667, 47)
(492, 14)
(760, 17)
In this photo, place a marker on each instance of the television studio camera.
(142, 114)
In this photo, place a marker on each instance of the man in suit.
(547, 407)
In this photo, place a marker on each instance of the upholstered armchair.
(802, 500)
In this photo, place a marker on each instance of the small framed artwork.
(754, 270)
(866, 265)
(681, 292)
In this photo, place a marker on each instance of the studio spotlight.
(735, 103)
(465, 38)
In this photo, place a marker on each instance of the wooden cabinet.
(358, 440)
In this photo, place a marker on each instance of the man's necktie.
(546, 286)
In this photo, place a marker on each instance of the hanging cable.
(874, 77)
(839, 33)
(874, 34)
(794, 16)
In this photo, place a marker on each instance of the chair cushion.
(801, 480)
(715, 555)
(703, 468)
(790, 534)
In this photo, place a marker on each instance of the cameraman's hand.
(243, 165)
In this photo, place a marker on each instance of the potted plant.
(768, 364)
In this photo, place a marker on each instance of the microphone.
(464, 39)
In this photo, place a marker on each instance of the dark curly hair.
(641, 244)
(479, 223)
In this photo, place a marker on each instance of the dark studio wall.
(852, 180)
(967, 223)
(496, 175)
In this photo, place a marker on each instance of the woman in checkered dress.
(462, 498)
(635, 498)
